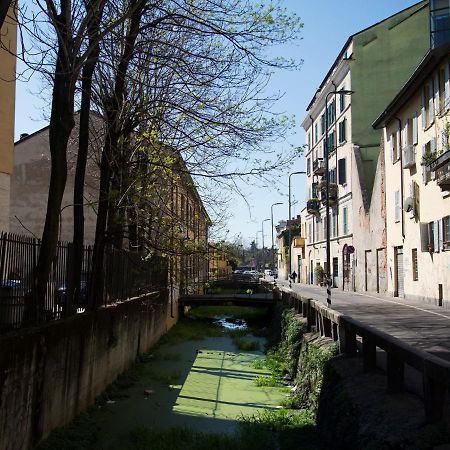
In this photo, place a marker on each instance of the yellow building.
(7, 98)
(219, 262)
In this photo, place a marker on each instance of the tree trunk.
(74, 281)
(4, 6)
(61, 125)
(114, 108)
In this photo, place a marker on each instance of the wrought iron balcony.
(441, 167)
(313, 206)
(332, 193)
(409, 156)
(318, 167)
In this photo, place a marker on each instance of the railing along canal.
(355, 337)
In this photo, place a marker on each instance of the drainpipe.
(401, 175)
(336, 169)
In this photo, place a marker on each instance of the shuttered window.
(397, 206)
(342, 171)
(415, 136)
(341, 130)
(345, 220)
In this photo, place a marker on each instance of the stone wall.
(50, 373)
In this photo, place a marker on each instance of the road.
(420, 325)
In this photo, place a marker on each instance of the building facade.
(371, 67)
(8, 37)
(416, 134)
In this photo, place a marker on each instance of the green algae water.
(198, 389)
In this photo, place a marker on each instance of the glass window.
(345, 220)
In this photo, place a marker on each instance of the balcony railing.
(441, 167)
(313, 206)
(318, 167)
(409, 156)
(332, 193)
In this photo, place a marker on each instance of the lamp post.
(289, 217)
(263, 253)
(271, 218)
(327, 191)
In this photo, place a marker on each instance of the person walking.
(293, 276)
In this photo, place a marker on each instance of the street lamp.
(289, 217)
(263, 254)
(327, 190)
(271, 218)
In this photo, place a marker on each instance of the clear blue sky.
(327, 25)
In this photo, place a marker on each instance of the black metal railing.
(126, 274)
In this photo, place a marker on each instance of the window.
(316, 133)
(397, 206)
(446, 233)
(332, 174)
(394, 147)
(415, 271)
(334, 224)
(427, 105)
(342, 171)
(331, 113)
(314, 191)
(408, 132)
(345, 220)
(324, 228)
(415, 135)
(308, 166)
(330, 143)
(322, 124)
(309, 232)
(341, 131)
(309, 141)
(341, 101)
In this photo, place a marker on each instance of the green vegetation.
(246, 345)
(272, 429)
(80, 434)
(267, 380)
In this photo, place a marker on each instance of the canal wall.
(48, 374)
(353, 407)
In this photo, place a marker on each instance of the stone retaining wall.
(48, 374)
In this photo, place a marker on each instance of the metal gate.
(400, 291)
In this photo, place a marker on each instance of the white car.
(268, 272)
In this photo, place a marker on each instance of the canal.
(206, 384)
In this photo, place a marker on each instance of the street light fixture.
(289, 217)
(271, 218)
(263, 253)
(327, 190)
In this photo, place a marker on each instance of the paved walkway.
(422, 326)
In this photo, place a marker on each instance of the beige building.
(7, 106)
(416, 135)
(30, 182)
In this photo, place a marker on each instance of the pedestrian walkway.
(425, 327)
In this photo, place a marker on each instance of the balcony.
(313, 206)
(318, 167)
(409, 157)
(441, 167)
(333, 193)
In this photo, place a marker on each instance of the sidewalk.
(423, 326)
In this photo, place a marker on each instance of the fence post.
(369, 351)
(436, 397)
(395, 369)
(347, 340)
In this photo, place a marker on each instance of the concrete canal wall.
(50, 373)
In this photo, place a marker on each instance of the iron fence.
(126, 274)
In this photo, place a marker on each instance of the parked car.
(268, 272)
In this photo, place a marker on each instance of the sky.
(327, 25)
